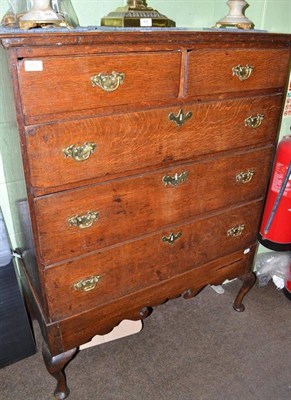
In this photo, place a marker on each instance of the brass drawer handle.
(172, 237)
(245, 176)
(242, 72)
(175, 180)
(84, 221)
(180, 118)
(80, 153)
(108, 82)
(254, 121)
(86, 285)
(236, 231)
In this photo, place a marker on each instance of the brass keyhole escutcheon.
(172, 237)
(180, 118)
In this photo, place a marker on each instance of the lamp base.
(40, 18)
(235, 17)
(232, 24)
(136, 17)
(41, 24)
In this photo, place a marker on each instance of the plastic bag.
(19, 7)
(273, 265)
(5, 252)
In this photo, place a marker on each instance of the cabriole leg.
(55, 366)
(249, 280)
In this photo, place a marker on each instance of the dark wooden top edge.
(39, 37)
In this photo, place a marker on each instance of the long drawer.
(108, 275)
(74, 222)
(75, 151)
(66, 84)
(236, 70)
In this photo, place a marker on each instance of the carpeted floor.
(198, 349)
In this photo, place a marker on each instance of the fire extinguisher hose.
(277, 201)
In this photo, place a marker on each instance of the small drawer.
(223, 71)
(100, 278)
(70, 84)
(108, 146)
(74, 222)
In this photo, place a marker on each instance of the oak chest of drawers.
(147, 157)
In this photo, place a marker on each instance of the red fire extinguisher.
(275, 231)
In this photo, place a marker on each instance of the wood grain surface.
(270, 70)
(143, 263)
(66, 82)
(82, 327)
(134, 141)
(135, 206)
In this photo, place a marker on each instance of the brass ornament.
(80, 153)
(10, 20)
(180, 118)
(245, 177)
(108, 82)
(236, 231)
(86, 285)
(242, 72)
(84, 221)
(172, 237)
(136, 14)
(254, 121)
(175, 180)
